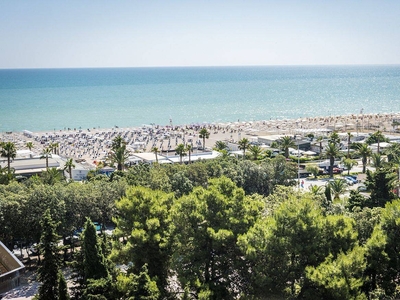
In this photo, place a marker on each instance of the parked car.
(362, 188)
(352, 179)
(348, 181)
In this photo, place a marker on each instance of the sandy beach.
(93, 144)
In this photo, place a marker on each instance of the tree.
(334, 138)
(244, 144)
(313, 169)
(255, 151)
(29, 145)
(349, 135)
(332, 151)
(377, 160)
(69, 165)
(282, 245)
(376, 138)
(119, 153)
(220, 145)
(54, 147)
(139, 286)
(181, 151)
(189, 151)
(46, 154)
(364, 151)
(393, 153)
(381, 184)
(337, 187)
(383, 263)
(204, 134)
(8, 150)
(285, 143)
(119, 156)
(349, 164)
(340, 278)
(62, 287)
(319, 140)
(94, 264)
(143, 220)
(207, 225)
(155, 150)
(48, 272)
(51, 176)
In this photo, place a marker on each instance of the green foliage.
(8, 150)
(285, 143)
(204, 134)
(381, 184)
(340, 277)
(313, 169)
(94, 264)
(48, 271)
(62, 287)
(143, 220)
(349, 164)
(244, 144)
(295, 236)
(207, 224)
(376, 137)
(139, 286)
(332, 151)
(337, 187)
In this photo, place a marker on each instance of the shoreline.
(93, 145)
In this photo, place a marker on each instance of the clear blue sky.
(105, 33)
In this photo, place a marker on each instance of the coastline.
(92, 145)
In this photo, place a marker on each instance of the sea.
(55, 99)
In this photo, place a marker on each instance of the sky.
(150, 33)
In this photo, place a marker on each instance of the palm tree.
(243, 145)
(69, 165)
(338, 187)
(334, 138)
(29, 145)
(117, 143)
(181, 151)
(319, 140)
(349, 163)
(46, 154)
(204, 134)
(8, 150)
(54, 147)
(155, 150)
(364, 151)
(285, 143)
(220, 145)
(332, 151)
(393, 153)
(119, 153)
(255, 151)
(51, 176)
(349, 135)
(189, 149)
(376, 137)
(316, 190)
(378, 161)
(119, 156)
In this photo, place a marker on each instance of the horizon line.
(199, 66)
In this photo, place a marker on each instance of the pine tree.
(48, 270)
(62, 287)
(93, 258)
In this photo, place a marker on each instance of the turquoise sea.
(47, 99)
